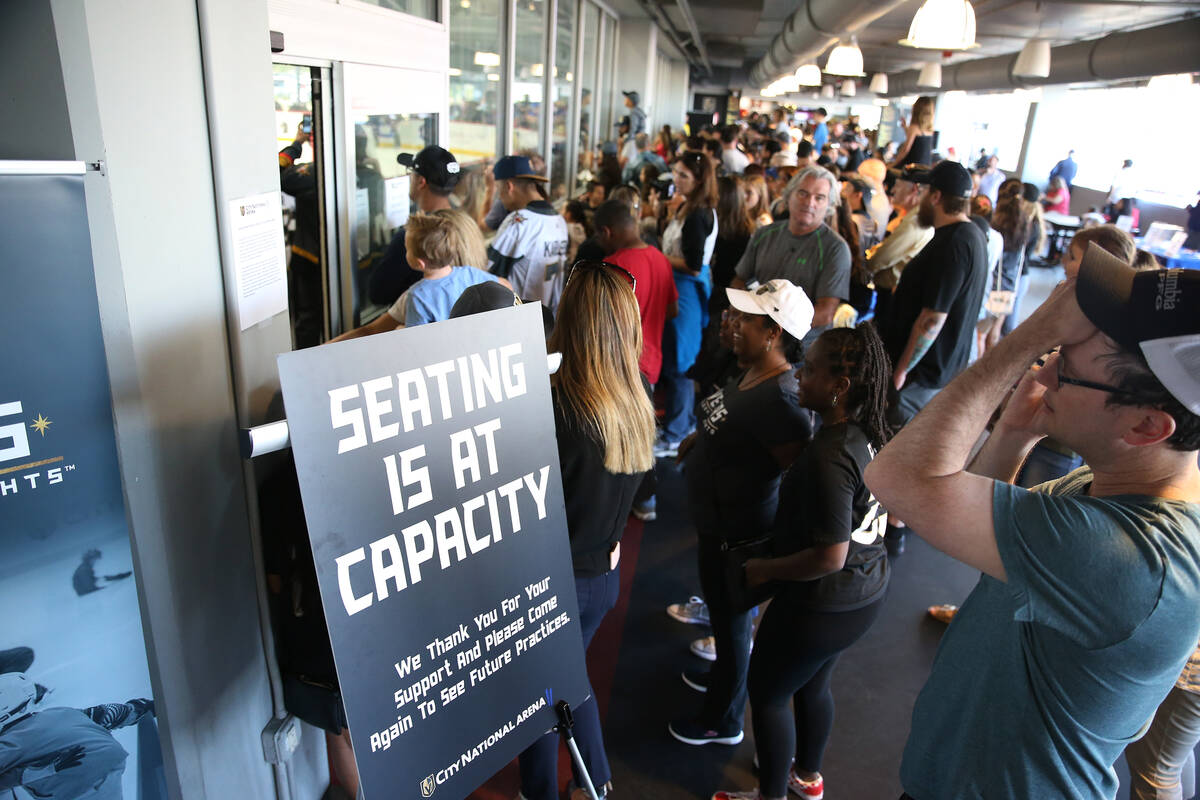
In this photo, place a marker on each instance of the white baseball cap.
(781, 300)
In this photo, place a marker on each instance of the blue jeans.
(680, 395)
(539, 763)
(1045, 464)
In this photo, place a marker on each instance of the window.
(992, 122)
(564, 97)
(425, 9)
(1166, 175)
(476, 67)
(589, 97)
(528, 75)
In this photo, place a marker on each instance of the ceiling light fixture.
(879, 83)
(809, 75)
(848, 88)
(845, 59)
(1034, 60)
(827, 91)
(484, 59)
(1170, 82)
(943, 25)
(931, 76)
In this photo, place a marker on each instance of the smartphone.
(306, 124)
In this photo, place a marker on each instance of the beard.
(925, 213)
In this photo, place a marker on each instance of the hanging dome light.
(809, 75)
(845, 59)
(1034, 60)
(943, 25)
(931, 76)
(790, 84)
(1171, 83)
(879, 83)
(848, 88)
(827, 91)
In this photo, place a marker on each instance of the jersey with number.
(530, 251)
(823, 501)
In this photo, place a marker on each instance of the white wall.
(637, 48)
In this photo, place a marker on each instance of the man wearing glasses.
(1089, 604)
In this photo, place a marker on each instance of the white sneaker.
(706, 648)
(693, 612)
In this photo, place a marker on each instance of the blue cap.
(511, 167)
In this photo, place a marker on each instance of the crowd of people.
(829, 331)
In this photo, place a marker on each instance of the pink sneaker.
(810, 790)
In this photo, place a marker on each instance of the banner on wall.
(76, 710)
(430, 479)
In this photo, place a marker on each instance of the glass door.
(302, 132)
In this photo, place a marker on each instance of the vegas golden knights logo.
(427, 787)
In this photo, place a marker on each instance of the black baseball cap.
(948, 177)
(914, 173)
(1154, 311)
(434, 164)
(481, 297)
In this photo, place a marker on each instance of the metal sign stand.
(566, 721)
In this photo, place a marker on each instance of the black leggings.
(794, 655)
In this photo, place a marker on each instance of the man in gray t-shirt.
(803, 249)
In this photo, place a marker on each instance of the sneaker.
(645, 511)
(754, 795)
(706, 648)
(810, 790)
(692, 732)
(665, 449)
(695, 679)
(693, 612)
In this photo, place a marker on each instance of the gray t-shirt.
(818, 262)
(1042, 680)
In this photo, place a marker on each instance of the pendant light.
(879, 83)
(931, 76)
(848, 88)
(827, 91)
(943, 25)
(845, 59)
(1034, 60)
(809, 75)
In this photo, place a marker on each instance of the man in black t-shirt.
(936, 304)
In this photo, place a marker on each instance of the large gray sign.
(430, 478)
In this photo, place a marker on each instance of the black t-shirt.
(597, 501)
(392, 275)
(948, 275)
(732, 477)
(823, 500)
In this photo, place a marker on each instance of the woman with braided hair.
(831, 565)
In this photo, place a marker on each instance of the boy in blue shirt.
(437, 245)
(1089, 604)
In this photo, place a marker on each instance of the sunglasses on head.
(602, 265)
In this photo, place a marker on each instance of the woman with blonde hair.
(471, 194)
(758, 199)
(605, 428)
(918, 146)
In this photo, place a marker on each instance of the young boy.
(436, 246)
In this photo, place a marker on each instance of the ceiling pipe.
(654, 12)
(814, 26)
(694, 31)
(1161, 50)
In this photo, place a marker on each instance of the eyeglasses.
(1100, 387)
(599, 265)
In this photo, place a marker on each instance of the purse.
(734, 557)
(1000, 302)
